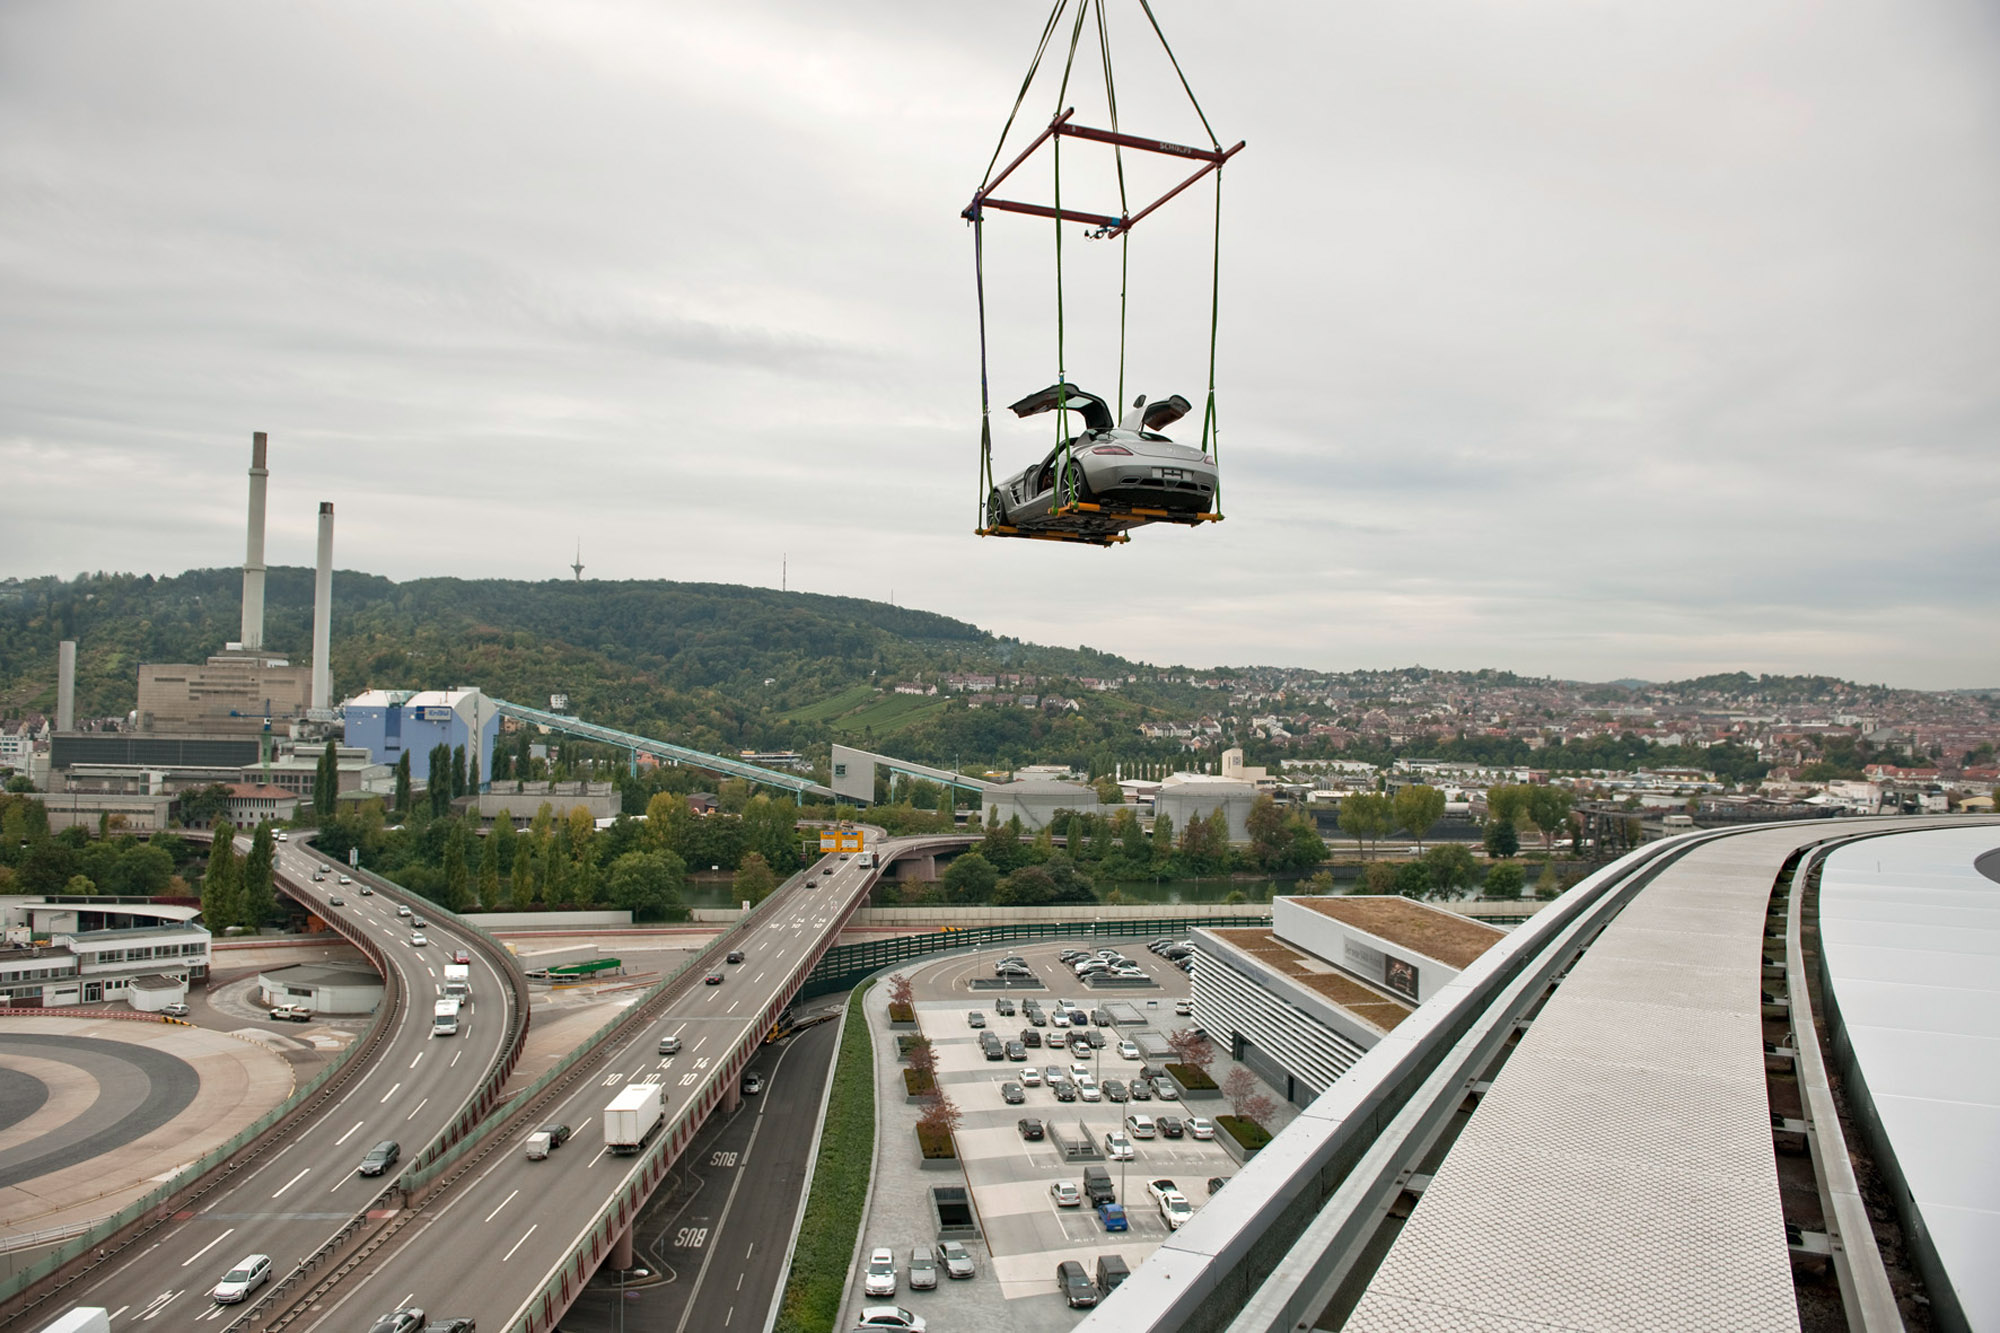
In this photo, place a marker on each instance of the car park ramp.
(798, 786)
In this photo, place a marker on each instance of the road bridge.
(293, 1196)
(513, 1242)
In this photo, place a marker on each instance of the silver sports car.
(1116, 477)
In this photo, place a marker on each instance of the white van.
(538, 1145)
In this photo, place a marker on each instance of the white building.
(88, 950)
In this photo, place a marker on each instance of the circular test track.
(138, 1089)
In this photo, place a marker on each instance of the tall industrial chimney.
(253, 555)
(66, 685)
(322, 686)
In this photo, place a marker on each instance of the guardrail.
(115, 1235)
(567, 1280)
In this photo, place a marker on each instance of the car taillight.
(1112, 449)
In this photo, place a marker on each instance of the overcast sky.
(1572, 338)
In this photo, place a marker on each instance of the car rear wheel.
(996, 509)
(1075, 489)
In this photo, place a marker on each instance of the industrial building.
(1186, 797)
(324, 988)
(389, 724)
(1035, 803)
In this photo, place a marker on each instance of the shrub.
(1505, 880)
(936, 1143)
(1249, 1135)
(919, 1083)
(902, 1013)
(839, 1187)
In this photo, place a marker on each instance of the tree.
(1266, 824)
(1239, 1085)
(1417, 809)
(1131, 835)
(523, 890)
(201, 807)
(1192, 1048)
(1366, 815)
(754, 879)
(326, 784)
(1321, 883)
(259, 894)
(489, 865)
(970, 879)
(1506, 803)
(771, 829)
(940, 1117)
(1505, 880)
(1163, 838)
(1549, 885)
(457, 888)
(1413, 879)
(1030, 886)
(221, 883)
(648, 885)
(1549, 808)
(1451, 868)
(921, 1055)
(899, 989)
(1501, 839)
(403, 783)
(1002, 846)
(1378, 877)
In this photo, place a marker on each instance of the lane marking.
(455, 1055)
(420, 1055)
(390, 1093)
(503, 1203)
(206, 1248)
(293, 1181)
(349, 1134)
(519, 1243)
(420, 1106)
(163, 1304)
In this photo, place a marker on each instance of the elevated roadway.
(513, 1242)
(290, 1201)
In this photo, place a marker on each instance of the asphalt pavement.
(290, 1201)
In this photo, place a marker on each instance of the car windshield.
(237, 1275)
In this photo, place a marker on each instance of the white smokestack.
(322, 686)
(66, 685)
(253, 555)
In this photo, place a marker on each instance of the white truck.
(83, 1319)
(458, 981)
(632, 1117)
(444, 1019)
(865, 859)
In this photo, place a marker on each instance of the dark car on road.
(557, 1131)
(379, 1159)
(713, 979)
(1013, 1093)
(1031, 1128)
(406, 1320)
(1075, 1284)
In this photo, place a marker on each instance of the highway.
(290, 1202)
(508, 1229)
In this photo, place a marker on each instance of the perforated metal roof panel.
(1911, 932)
(1620, 1173)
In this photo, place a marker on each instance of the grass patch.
(834, 705)
(891, 713)
(1249, 1135)
(1192, 1078)
(840, 1185)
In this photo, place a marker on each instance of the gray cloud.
(1590, 341)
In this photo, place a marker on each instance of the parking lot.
(1026, 1232)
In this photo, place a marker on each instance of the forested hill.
(713, 664)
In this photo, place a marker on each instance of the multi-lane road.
(292, 1200)
(509, 1228)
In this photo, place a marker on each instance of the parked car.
(1031, 1039)
(1066, 1194)
(292, 1013)
(1141, 1090)
(1215, 1183)
(1114, 1090)
(1093, 1039)
(1086, 1088)
(1201, 1127)
(1173, 1205)
(1140, 1125)
(1164, 1089)
(1012, 1093)
(975, 1019)
(1031, 1128)
(1128, 1049)
(1117, 1146)
(1075, 1285)
(1170, 1126)
(1112, 1216)
(1004, 1007)
(1017, 1050)
(175, 1009)
(237, 1284)
(889, 1316)
(1031, 1077)
(1064, 1090)
(923, 1270)
(880, 1278)
(956, 1260)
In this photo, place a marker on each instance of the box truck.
(83, 1319)
(444, 1019)
(632, 1117)
(458, 980)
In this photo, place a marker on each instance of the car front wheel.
(996, 510)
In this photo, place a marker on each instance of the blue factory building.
(392, 723)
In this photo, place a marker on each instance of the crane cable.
(1211, 426)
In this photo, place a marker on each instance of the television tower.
(578, 566)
